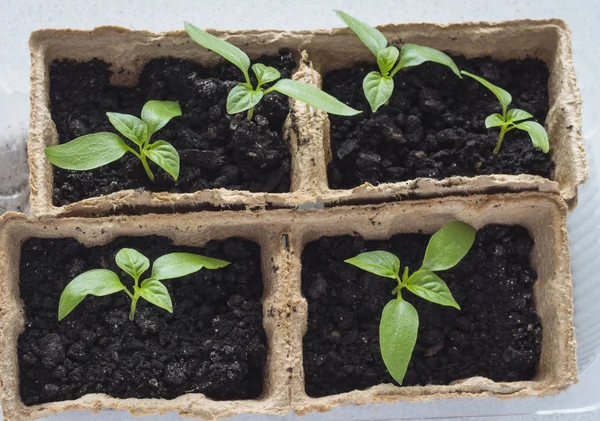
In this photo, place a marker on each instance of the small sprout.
(399, 321)
(98, 149)
(509, 119)
(379, 86)
(244, 96)
(101, 282)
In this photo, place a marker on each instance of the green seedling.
(379, 86)
(245, 96)
(509, 119)
(101, 282)
(399, 321)
(98, 149)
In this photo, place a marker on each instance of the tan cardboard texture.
(307, 130)
(284, 308)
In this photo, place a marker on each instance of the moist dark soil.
(497, 334)
(217, 150)
(434, 125)
(213, 343)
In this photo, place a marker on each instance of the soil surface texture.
(497, 334)
(434, 124)
(213, 343)
(217, 150)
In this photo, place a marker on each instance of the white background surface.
(19, 17)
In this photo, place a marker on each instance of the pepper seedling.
(98, 149)
(101, 282)
(379, 86)
(244, 96)
(399, 321)
(509, 119)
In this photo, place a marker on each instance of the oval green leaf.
(156, 292)
(241, 98)
(386, 59)
(371, 37)
(165, 156)
(129, 126)
(397, 336)
(98, 282)
(265, 74)
(494, 120)
(380, 263)
(504, 97)
(229, 52)
(517, 115)
(156, 114)
(132, 262)
(413, 55)
(175, 265)
(378, 89)
(87, 152)
(448, 246)
(537, 133)
(312, 96)
(431, 287)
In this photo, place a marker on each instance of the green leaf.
(175, 265)
(129, 126)
(241, 98)
(226, 50)
(504, 97)
(98, 282)
(386, 59)
(517, 115)
(380, 263)
(132, 262)
(87, 152)
(378, 89)
(165, 156)
(371, 37)
(312, 96)
(448, 246)
(265, 74)
(156, 114)
(413, 55)
(494, 120)
(431, 287)
(397, 336)
(155, 292)
(537, 133)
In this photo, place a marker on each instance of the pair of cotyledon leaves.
(399, 321)
(98, 149)
(101, 282)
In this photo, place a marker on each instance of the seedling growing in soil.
(101, 282)
(379, 86)
(399, 321)
(509, 119)
(98, 149)
(245, 96)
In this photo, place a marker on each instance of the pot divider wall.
(284, 308)
(307, 130)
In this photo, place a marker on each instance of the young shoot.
(379, 86)
(101, 282)
(98, 149)
(509, 119)
(399, 321)
(245, 96)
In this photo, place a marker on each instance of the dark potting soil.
(213, 343)
(217, 150)
(434, 124)
(497, 334)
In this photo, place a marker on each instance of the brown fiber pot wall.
(307, 130)
(284, 308)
